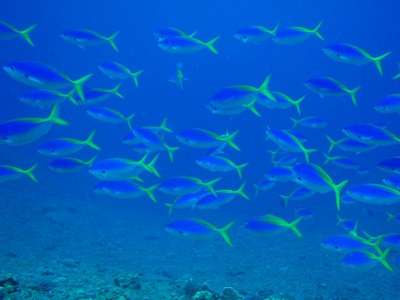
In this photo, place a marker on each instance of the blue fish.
(84, 38)
(125, 189)
(375, 194)
(70, 164)
(389, 104)
(255, 34)
(371, 134)
(342, 243)
(201, 138)
(9, 32)
(179, 186)
(187, 44)
(390, 164)
(117, 71)
(109, 115)
(8, 173)
(45, 99)
(297, 34)
(393, 181)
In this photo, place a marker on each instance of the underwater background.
(60, 239)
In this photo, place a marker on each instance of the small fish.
(298, 194)
(23, 131)
(199, 228)
(342, 243)
(309, 122)
(117, 71)
(217, 163)
(179, 78)
(255, 34)
(348, 145)
(304, 213)
(171, 32)
(205, 139)
(393, 181)
(264, 185)
(289, 142)
(109, 115)
(375, 194)
(186, 201)
(297, 34)
(351, 54)
(122, 168)
(282, 101)
(70, 164)
(389, 104)
(390, 164)
(328, 86)
(363, 258)
(222, 197)
(279, 174)
(46, 99)
(67, 146)
(179, 186)
(371, 134)
(317, 179)
(84, 38)
(8, 173)
(98, 95)
(272, 223)
(124, 189)
(342, 162)
(9, 32)
(187, 44)
(42, 76)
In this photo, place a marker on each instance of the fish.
(220, 198)
(374, 194)
(125, 189)
(297, 34)
(187, 44)
(117, 71)
(188, 200)
(346, 224)
(84, 38)
(342, 162)
(390, 164)
(109, 115)
(309, 122)
(24, 131)
(389, 104)
(263, 185)
(171, 32)
(218, 163)
(9, 32)
(9, 173)
(199, 228)
(122, 168)
(97, 95)
(391, 239)
(179, 77)
(298, 194)
(42, 76)
(70, 164)
(371, 134)
(328, 86)
(351, 54)
(289, 142)
(342, 243)
(362, 258)
(67, 146)
(272, 223)
(279, 174)
(348, 145)
(256, 34)
(205, 139)
(282, 101)
(45, 99)
(178, 186)
(317, 179)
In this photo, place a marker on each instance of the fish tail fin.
(150, 192)
(129, 120)
(285, 199)
(332, 143)
(274, 30)
(328, 158)
(111, 40)
(25, 34)
(29, 172)
(307, 152)
(209, 185)
(210, 45)
(316, 30)
(353, 94)
(257, 190)
(229, 139)
(171, 151)
(241, 192)
(150, 167)
(382, 258)
(239, 169)
(252, 107)
(295, 122)
(293, 227)
(116, 91)
(90, 162)
(224, 233)
(55, 118)
(170, 207)
(338, 189)
(135, 76)
(70, 97)
(164, 126)
(297, 104)
(264, 88)
(78, 85)
(90, 142)
(377, 60)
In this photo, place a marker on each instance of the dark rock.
(229, 293)
(128, 282)
(9, 285)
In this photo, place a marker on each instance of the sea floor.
(83, 249)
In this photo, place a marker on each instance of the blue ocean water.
(61, 240)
